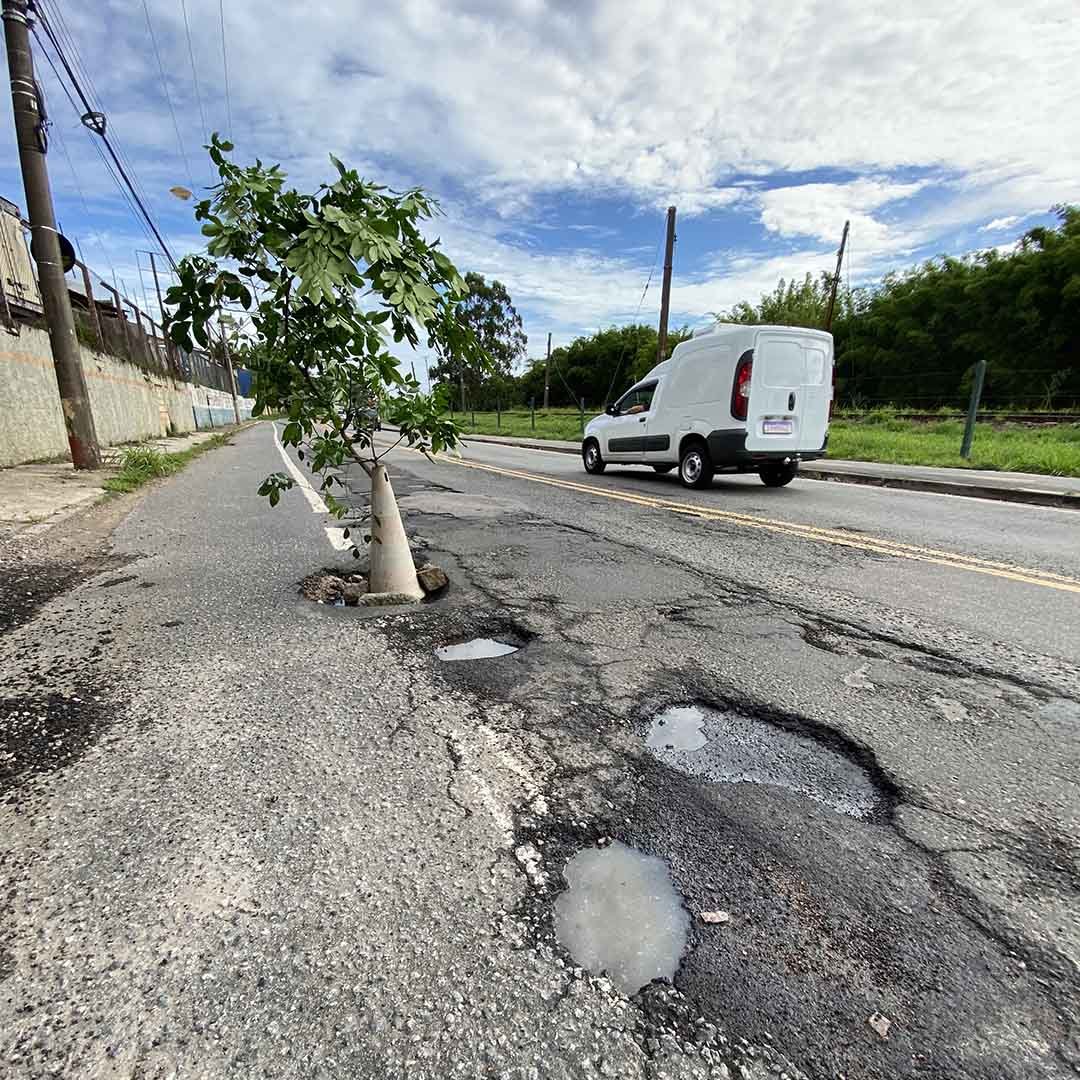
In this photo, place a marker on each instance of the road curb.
(1030, 496)
(816, 471)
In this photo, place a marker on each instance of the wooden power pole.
(44, 242)
(665, 295)
(547, 365)
(836, 277)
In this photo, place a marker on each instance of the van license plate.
(777, 427)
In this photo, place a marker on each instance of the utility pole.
(836, 277)
(547, 364)
(165, 340)
(665, 295)
(232, 374)
(44, 242)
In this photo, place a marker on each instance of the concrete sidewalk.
(38, 496)
(1031, 488)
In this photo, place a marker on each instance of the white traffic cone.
(391, 567)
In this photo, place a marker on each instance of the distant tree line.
(911, 340)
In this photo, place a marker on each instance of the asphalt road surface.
(245, 834)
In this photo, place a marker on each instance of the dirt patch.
(36, 567)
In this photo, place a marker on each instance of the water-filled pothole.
(477, 649)
(621, 915)
(728, 747)
(682, 727)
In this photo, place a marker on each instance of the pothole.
(621, 915)
(682, 727)
(350, 588)
(724, 746)
(476, 649)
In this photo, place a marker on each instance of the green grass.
(553, 424)
(1053, 450)
(141, 464)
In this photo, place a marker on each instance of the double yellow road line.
(838, 537)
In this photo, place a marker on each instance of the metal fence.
(105, 318)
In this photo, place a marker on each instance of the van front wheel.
(594, 462)
(779, 475)
(695, 466)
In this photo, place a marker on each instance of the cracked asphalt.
(245, 834)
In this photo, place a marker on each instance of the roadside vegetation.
(1051, 449)
(141, 464)
(910, 340)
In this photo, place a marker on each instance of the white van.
(733, 398)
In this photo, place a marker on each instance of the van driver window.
(637, 401)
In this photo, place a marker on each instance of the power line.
(168, 96)
(637, 314)
(97, 147)
(100, 130)
(225, 66)
(82, 195)
(50, 11)
(194, 73)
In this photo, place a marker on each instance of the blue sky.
(556, 132)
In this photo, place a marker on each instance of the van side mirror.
(611, 410)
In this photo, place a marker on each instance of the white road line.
(337, 540)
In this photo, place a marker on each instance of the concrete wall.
(214, 408)
(129, 404)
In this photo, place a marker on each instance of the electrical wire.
(168, 96)
(77, 85)
(104, 160)
(224, 65)
(82, 196)
(55, 16)
(51, 12)
(637, 313)
(194, 72)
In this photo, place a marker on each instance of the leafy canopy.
(913, 338)
(325, 279)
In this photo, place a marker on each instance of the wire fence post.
(583, 416)
(973, 408)
(532, 412)
(474, 419)
(498, 415)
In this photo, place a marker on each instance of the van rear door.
(790, 391)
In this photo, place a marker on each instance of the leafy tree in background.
(488, 313)
(791, 303)
(597, 367)
(913, 339)
(326, 279)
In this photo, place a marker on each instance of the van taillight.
(740, 390)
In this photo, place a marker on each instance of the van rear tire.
(592, 458)
(695, 465)
(776, 476)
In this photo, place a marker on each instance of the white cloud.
(819, 210)
(514, 104)
(1000, 223)
(649, 98)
